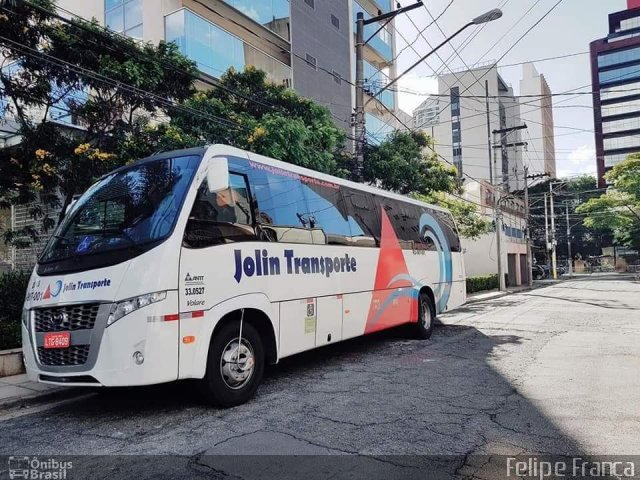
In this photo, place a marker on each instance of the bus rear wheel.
(426, 316)
(234, 366)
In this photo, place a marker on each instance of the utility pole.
(546, 229)
(497, 215)
(359, 120)
(552, 213)
(527, 229)
(566, 206)
(356, 170)
(486, 90)
(497, 186)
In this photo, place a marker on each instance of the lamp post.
(360, 43)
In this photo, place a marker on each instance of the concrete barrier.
(11, 362)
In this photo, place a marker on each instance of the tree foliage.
(54, 72)
(471, 224)
(585, 241)
(258, 116)
(618, 209)
(400, 164)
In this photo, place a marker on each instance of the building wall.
(538, 115)
(313, 33)
(615, 67)
(480, 254)
(476, 161)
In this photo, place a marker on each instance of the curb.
(508, 292)
(41, 397)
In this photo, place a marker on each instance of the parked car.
(538, 272)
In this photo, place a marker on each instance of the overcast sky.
(568, 29)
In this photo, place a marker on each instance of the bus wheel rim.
(237, 363)
(425, 318)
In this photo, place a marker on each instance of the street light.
(489, 16)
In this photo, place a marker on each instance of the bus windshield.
(126, 210)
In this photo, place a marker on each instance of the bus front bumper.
(135, 350)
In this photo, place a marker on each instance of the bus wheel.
(234, 368)
(426, 316)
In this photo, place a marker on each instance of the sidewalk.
(491, 294)
(19, 391)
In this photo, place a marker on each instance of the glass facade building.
(216, 50)
(615, 71)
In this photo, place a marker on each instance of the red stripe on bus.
(171, 318)
(197, 314)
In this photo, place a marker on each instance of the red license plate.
(57, 340)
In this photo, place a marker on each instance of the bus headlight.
(125, 307)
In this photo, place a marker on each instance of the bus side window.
(220, 217)
(364, 218)
(326, 208)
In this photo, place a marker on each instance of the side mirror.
(218, 174)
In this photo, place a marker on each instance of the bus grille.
(69, 317)
(60, 357)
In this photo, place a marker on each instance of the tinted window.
(221, 217)
(282, 211)
(363, 215)
(405, 220)
(446, 222)
(327, 211)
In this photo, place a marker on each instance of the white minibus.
(209, 263)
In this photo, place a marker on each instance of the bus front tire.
(234, 369)
(426, 317)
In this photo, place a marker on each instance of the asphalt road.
(552, 371)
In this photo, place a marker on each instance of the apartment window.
(311, 61)
(335, 21)
(455, 102)
(620, 74)
(337, 77)
(621, 56)
(124, 16)
(456, 135)
(311, 3)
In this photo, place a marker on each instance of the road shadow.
(408, 406)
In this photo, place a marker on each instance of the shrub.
(479, 284)
(13, 286)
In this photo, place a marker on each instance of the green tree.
(54, 72)
(400, 164)
(618, 209)
(573, 192)
(262, 117)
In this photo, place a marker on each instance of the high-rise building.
(456, 117)
(615, 75)
(537, 113)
